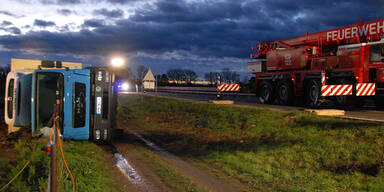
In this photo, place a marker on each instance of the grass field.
(84, 158)
(268, 150)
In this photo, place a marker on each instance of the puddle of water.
(152, 145)
(127, 169)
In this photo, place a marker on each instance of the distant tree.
(172, 74)
(130, 75)
(164, 79)
(211, 77)
(141, 70)
(190, 75)
(245, 80)
(176, 75)
(227, 75)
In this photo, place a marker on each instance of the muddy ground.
(130, 145)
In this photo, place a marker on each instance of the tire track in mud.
(201, 177)
(134, 173)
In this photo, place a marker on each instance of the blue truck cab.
(72, 89)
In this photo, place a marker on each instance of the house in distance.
(149, 80)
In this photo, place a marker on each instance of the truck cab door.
(76, 105)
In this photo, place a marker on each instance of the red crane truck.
(344, 64)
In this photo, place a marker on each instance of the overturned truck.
(84, 99)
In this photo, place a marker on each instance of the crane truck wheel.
(342, 101)
(266, 92)
(285, 93)
(379, 102)
(313, 91)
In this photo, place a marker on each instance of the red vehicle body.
(344, 64)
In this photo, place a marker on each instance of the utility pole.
(53, 178)
(56, 135)
(155, 84)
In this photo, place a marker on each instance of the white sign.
(356, 31)
(287, 59)
(98, 105)
(100, 76)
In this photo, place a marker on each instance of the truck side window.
(11, 87)
(375, 53)
(46, 87)
(79, 104)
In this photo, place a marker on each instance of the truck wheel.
(313, 91)
(342, 101)
(285, 93)
(379, 102)
(358, 102)
(266, 92)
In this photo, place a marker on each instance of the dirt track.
(130, 145)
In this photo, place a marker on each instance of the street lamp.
(117, 62)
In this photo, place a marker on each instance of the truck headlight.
(125, 86)
(97, 134)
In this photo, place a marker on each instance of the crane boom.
(355, 33)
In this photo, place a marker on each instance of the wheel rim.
(265, 92)
(340, 99)
(313, 94)
(283, 93)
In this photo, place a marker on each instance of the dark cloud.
(10, 14)
(116, 13)
(6, 23)
(178, 11)
(42, 23)
(7, 13)
(121, 1)
(203, 30)
(93, 23)
(65, 12)
(69, 1)
(12, 30)
(60, 2)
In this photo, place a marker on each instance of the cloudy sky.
(202, 35)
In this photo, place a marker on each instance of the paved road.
(367, 113)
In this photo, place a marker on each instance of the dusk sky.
(201, 35)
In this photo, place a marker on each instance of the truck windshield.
(47, 83)
(376, 53)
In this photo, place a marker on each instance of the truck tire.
(358, 102)
(312, 93)
(284, 93)
(342, 101)
(379, 102)
(266, 93)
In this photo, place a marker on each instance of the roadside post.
(56, 127)
(218, 95)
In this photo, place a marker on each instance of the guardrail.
(199, 90)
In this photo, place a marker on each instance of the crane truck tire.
(344, 100)
(285, 92)
(266, 93)
(379, 102)
(312, 93)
